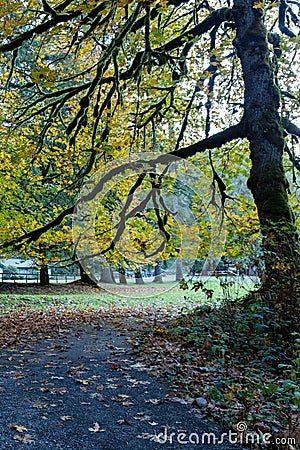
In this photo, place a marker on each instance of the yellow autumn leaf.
(122, 3)
(258, 5)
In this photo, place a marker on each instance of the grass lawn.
(131, 296)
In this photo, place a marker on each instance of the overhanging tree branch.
(214, 141)
(214, 19)
(55, 20)
(290, 127)
(39, 29)
(160, 53)
(34, 235)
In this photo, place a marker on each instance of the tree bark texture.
(179, 270)
(264, 131)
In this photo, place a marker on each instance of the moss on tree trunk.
(267, 181)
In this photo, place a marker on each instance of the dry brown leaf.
(66, 418)
(115, 366)
(123, 422)
(24, 438)
(18, 428)
(96, 428)
(18, 376)
(85, 382)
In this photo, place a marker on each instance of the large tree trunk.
(267, 180)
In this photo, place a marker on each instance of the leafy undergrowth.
(235, 358)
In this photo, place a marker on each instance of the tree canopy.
(87, 82)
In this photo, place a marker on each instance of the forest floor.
(109, 378)
(35, 289)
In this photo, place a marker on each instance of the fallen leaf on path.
(96, 428)
(123, 422)
(115, 366)
(98, 396)
(18, 428)
(24, 438)
(127, 403)
(121, 399)
(58, 391)
(66, 418)
(151, 437)
(18, 376)
(154, 401)
(85, 382)
(139, 366)
(39, 405)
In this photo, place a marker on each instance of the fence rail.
(8, 277)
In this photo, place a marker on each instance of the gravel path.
(86, 390)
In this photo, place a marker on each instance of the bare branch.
(290, 127)
(214, 19)
(295, 161)
(283, 7)
(214, 141)
(160, 53)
